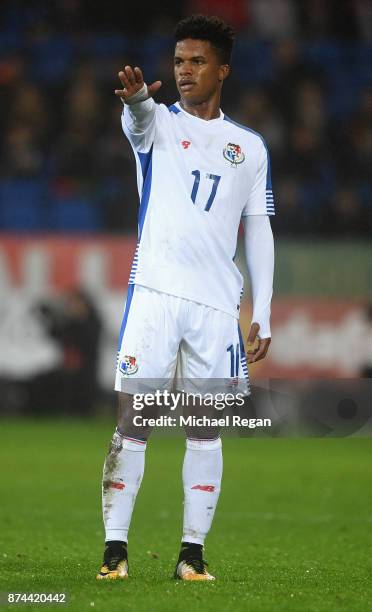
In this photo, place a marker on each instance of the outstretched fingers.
(138, 75)
(153, 88)
(132, 81)
(123, 78)
(129, 75)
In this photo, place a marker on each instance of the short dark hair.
(215, 30)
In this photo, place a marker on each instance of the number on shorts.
(234, 360)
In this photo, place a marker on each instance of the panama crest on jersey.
(233, 153)
(128, 365)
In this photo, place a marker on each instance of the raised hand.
(132, 81)
(257, 347)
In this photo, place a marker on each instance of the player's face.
(198, 70)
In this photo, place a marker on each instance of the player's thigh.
(212, 364)
(149, 339)
(213, 347)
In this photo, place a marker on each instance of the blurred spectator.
(310, 110)
(258, 113)
(353, 146)
(30, 109)
(22, 154)
(162, 70)
(75, 155)
(116, 174)
(333, 18)
(75, 324)
(307, 156)
(347, 213)
(83, 102)
(235, 12)
(291, 214)
(274, 19)
(289, 70)
(128, 17)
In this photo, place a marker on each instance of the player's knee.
(202, 433)
(128, 430)
(128, 425)
(116, 445)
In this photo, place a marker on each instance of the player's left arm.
(259, 250)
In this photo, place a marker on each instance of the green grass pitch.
(293, 529)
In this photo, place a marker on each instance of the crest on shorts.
(128, 365)
(233, 153)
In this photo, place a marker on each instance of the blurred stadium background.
(302, 77)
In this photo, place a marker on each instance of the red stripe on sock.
(117, 485)
(208, 488)
(134, 440)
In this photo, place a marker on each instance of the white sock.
(122, 477)
(202, 473)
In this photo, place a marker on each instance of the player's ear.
(224, 71)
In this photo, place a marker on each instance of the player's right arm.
(138, 118)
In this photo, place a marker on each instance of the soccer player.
(199, 173)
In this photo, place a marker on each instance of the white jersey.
(196, 179)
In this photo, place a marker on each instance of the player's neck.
(205, 110)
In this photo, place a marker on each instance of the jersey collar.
(198, 119)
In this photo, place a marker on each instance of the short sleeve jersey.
(196, 179)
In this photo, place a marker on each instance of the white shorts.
(169, 341)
